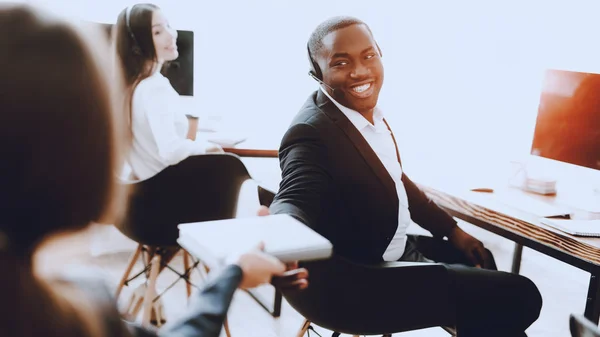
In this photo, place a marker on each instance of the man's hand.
(263, 210)
(470, 246)
(294, 278)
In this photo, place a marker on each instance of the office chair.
(199, 188)
(582, 327)
(336, 298)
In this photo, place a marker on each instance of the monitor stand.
(533, 180)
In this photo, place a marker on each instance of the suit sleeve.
(306, 184)
(425, 212)
(206, 314)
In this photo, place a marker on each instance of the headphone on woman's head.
(136, 46)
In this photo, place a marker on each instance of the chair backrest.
(582, 327)
(265, 196)
(200, 188)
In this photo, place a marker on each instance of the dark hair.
(56, 129)
(315, 42)
(134, 46)
(134, 43)
(59, 140)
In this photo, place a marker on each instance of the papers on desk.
(590, 228)
(533, 206)
(284, 237)
(225, 141)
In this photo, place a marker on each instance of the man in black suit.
(342, 176)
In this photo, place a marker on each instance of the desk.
(255, 144)
(489, 212)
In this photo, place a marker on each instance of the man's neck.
(368, 115)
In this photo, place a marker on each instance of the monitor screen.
(180, 72)
(568, 122)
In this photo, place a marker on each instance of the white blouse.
(159, 126)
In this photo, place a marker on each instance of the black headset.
(315, 70)
(137, 50)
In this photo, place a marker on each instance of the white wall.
(462, 77)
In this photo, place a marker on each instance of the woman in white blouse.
(163, 133)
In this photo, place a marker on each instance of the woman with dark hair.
(163, 132)
(60, 154)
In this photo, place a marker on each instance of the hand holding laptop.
(286, 240)
(294, 277)
(260, 268)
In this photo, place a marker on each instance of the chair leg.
(132, 260)
(277, 303)
(304, 328)
(151, 290)
(188, 273)
(167, 254)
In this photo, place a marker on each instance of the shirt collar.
(355, 117)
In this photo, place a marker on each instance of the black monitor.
(568, 121)
(180, 72)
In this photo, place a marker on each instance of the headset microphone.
(335, 92)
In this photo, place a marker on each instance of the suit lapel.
(359, 142)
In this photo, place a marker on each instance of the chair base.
(144, 299)
(306, 326)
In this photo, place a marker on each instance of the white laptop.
(284, 237)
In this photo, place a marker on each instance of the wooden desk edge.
(252, 152)
(568, 244)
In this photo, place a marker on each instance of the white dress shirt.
(159, 127)
(380, 139)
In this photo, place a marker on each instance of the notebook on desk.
(532, 205)
(227, 142)
(589, 228)
(284, 237)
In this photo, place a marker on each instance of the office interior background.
(462, 78)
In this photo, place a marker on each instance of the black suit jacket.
(334, 182)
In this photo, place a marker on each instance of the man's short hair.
(315, 42)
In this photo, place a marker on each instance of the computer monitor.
(567, 128)
(180, 72)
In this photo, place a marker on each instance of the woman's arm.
(206, 314)
(192, 127)
(172, 147)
